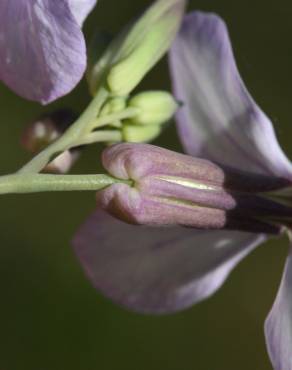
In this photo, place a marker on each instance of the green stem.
(70, 138)
(106, 120)
(34, 183)
(102, 136)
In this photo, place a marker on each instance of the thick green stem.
(34, 183)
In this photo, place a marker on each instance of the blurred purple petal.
(81, 8)
(278, 325)
(42, 48)
(220, 120)
(157, 270)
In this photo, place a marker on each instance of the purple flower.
(165, 269)
(42, 48)
(221, 122)
(167, 188)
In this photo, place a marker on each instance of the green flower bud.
(112, 106)
(132, 54)
(140, 134)
(156, 107)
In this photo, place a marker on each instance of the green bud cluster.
(118, 65)
(154, 108)
(141, 117)
(112, 106)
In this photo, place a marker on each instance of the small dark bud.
(45, 130)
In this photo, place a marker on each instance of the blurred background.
(50, 316)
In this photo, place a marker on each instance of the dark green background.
(50, 316)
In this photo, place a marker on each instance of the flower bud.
(134, 52)
(155, 107)
(63, 162)
(175, 189)
(46, 129)
(140, 134)
(114, 105)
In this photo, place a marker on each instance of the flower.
(165, 188)
(221, 122)
(42, 48)
(165, 269)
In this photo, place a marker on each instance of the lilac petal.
(157, 270)
(220, 120)
(81, 9)
(278, 325)
(42, 48)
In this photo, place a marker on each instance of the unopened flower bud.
(63, 162)
(175, 189)
(113, 105)
(155, 107)
(136, 50)
(45, 130)
(140, 134)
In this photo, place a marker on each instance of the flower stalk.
(108, 119)
(34, 183)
